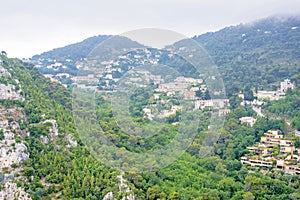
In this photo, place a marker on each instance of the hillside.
(40, 157)
(75, 51)
(54, 164)
(258, 54)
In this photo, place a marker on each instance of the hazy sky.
(31, 27)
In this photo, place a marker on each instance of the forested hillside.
(74, 51)
(258, 54)
(287, 108)
(57, 167)
(60, 167)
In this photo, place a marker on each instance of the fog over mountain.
(28, 28)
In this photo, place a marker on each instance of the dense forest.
(74, 52)
(259, 54)
(287, 108)
(52, 169)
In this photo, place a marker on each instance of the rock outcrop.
(4, 72)
(8, 91)
(12, 191)
(109, 196)
(12, 151)
(53, 130)
(71, 141)
(123, 187)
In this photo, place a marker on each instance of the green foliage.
(52, 169)
(289, 107)
(255, 55)
(1, 134)
(235, 101)
(28, 171)
(297, 142)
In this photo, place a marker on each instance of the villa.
(273, 151)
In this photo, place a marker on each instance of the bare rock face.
(123, 188)
(109, 196)
(7, 90)
(4, 72)
(129, 197)
(12, 155)
(53, 134)
(12, 191)
(44, 139)
(11, 152)
(71, 141)
(53, 131)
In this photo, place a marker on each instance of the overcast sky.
(31, 27)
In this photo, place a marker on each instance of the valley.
(236, 132)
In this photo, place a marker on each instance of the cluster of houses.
(164, 113)
(185, 87)
(275, 95)
(274, 152)
(182, 86)
(212, 104)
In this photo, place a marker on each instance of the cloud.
(50, 24)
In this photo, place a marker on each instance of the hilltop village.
(191, 89)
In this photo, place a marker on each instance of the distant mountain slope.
(258, 54)
(73, 51)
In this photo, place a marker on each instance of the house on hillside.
(223, 112)
(285, 85)
(270, 95)
(273, 151)
(211, 104)
(250, 121)
(257, 161)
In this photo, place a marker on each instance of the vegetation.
(1, 134)
(288, 107)
(257, 55)
(52, 170)
(74, 173)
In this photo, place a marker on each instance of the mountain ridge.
(86, 46)
(268, 49)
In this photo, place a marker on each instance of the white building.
(250, 121)
(285, 85)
